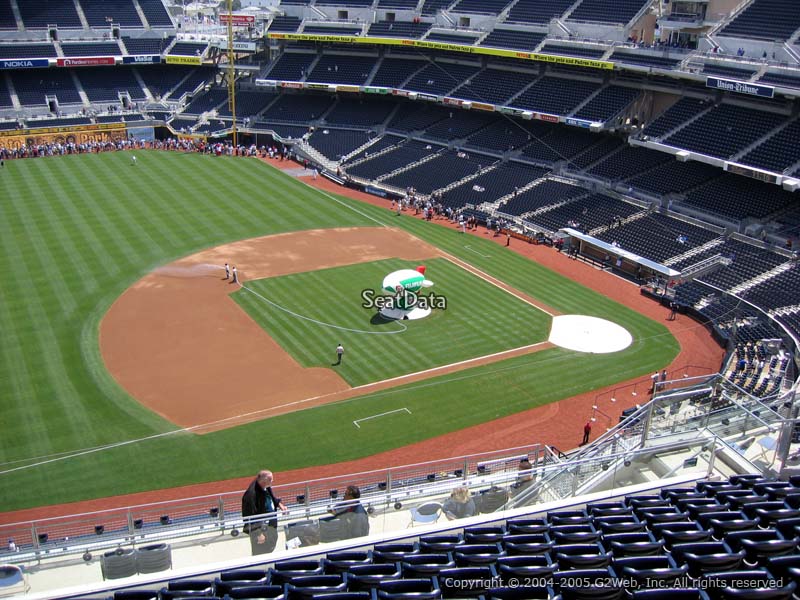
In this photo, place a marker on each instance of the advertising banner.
(348, 88)
(142, 134)
(483, 106)
(69, 135)
(184, 60)
(746, 171)
(578, 123)
(546, 117)
(507, 110)
(65, 129)
(740, 87)
(85, 61)
(24, 63)
(143, 59)
(237, 46)
(350, 39)
(237, 20)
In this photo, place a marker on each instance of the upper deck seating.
(42, 13)
(765, 20)
(607, 11)
(555, 95)
(91, 49)
(725, 130)
(284, 23)
(38, 50)
(493, 86)
(537, 11)
(103, 84)
(121, 12)
(431, 7)
(403, 29)
(511, 38)
(155, 13)
(486, 7)
(439, 78)
(392, 72)
(146, 45)
(35, 85)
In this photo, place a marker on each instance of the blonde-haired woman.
(459, 505)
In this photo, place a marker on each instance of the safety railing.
(62, 537)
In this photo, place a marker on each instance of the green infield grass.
(310, 313)
(76, 231)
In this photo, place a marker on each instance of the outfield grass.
(480, 319)
(76, 231)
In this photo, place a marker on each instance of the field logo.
(404, 300)
(401, 298)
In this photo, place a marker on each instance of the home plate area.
(589, 334)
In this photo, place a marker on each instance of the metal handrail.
(94, 531)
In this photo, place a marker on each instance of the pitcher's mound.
(589, 334)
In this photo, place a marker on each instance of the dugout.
(615, 259)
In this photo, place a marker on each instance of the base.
(405, 315)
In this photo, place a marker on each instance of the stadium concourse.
(546, 424)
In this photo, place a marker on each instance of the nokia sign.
(27, 63)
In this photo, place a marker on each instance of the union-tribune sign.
(740, 87)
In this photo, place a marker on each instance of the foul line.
(471, 249)
(353, 208)
(491, 280)
(383, 414)
(463, 264)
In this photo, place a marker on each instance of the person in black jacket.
(352, 513)
(259, 510)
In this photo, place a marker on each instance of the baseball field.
(129, 363)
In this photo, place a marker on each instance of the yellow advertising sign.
(183, 60)
(350, 39)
